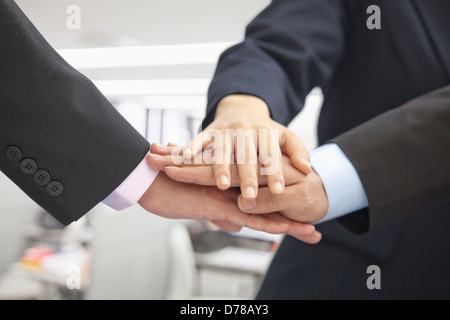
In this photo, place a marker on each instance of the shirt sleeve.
(132, 188)
(340, 179)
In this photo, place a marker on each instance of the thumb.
(293, 147)
(266, 202)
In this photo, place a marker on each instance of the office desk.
(232, 271)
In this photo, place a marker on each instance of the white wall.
(17, 213)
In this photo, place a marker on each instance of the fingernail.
(250, 192)
(283, 225)
(224, 180)
(171, 168)
(154, 156)
(246, 204)
(305, 162)
(278, 187)
(161, 147)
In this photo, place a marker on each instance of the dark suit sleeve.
(403, 159)
(61, 141)
(289, 48)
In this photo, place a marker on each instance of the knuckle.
(308, 199)
(270, 200)
(243, 124)
(220, 169)
(249, 181)
(265, 127)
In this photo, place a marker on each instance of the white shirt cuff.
(341, 181)
(132, 188)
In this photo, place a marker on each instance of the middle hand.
(243, 133)
(304, 199)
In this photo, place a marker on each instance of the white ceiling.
(110, 23)
(125, 23)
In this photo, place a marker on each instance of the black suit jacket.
(61, 141)
(401, 156)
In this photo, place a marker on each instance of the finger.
(293, 147)
(176, 153)
(155, 161)
(266, 202)
(227, 226)
(222, 176)
(301, 231)
(170, 150)
(159, 162)
(221, 165)
(301, 164)
(204, 175)
(229, 212)
(195, 146)
(163, 150)
(275, 223)
(247, 164)
(258, 223)
(271, 159)
(201, 175)
(312, 239)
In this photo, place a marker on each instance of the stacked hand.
(239, 193)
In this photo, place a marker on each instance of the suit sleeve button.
(54, 188)
(41, 177)
(13, 153)
(28, 166)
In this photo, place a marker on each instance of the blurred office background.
(153, 59)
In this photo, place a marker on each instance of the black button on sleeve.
(13, 153)
(41, 177)
(28, 166)
(54, 188)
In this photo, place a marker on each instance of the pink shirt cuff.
(132, 188)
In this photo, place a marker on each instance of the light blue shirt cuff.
(340, 179)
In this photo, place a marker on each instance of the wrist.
(243, 105)
(342, 185)
(321, 205)
(132, 188)
(149, 199)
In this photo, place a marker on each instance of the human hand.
(168, 159)
(303, 200)
(171, 199)
(243, 129)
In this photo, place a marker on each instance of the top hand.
(243, 127)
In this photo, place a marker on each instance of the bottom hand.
(176, 200)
